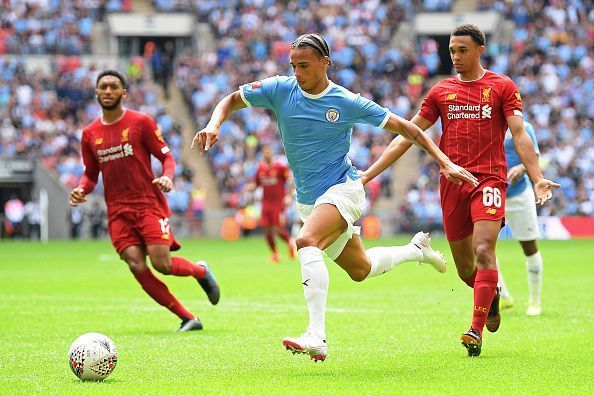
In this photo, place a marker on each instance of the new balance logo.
(305, 282)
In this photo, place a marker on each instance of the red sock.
(485, 287)
(160, 293)
(285, 235)
(182, 267)
(270, 240)
(470, 280)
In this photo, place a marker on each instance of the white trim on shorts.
(349, 199)
(520, 214)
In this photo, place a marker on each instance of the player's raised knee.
(306, 240)
(358, 274)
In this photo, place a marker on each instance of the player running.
(520, 215)
(315, 118)
(273, 177)
(119, 145)
(476, 107)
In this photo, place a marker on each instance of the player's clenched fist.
(205, 139)
(164, 183)
(77, 196)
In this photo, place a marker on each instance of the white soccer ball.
(92, 356)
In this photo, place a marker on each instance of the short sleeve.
(511, 99)
(430, 108)
(260, 93)
(153, 139)
(371, 113)
(530, 130)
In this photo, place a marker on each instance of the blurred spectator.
(97, 216)
(14, 212)
(33, 215)
(76, 219)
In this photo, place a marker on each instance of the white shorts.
(520, 214)
(349, 199)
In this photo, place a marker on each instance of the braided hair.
(314, 41)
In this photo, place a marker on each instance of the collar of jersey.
(468, 81)
(317, 96)
(113, 122)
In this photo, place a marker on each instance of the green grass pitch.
(394, 334)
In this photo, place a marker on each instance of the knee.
(162, 264)
(358, 275)
(485, 255)
(305, 240)
(136, 266)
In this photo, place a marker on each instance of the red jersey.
(121, 151)
(273, 179)
(473, 117)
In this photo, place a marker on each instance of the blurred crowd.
(551, 60)
(52, 26)
(253, 42)
(43, 114)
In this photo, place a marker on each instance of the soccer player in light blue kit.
(520, 214)
(315, 118)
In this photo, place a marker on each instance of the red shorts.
(272, 215)
(136, 228)
(463, 205)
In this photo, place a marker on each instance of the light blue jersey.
(315, 129)
(512, 160)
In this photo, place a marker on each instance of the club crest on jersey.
(256, 84)
(451, 96)
(486, 95)
(332, 115)
(125, 135)
(98, 141)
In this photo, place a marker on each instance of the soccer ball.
(92, 356)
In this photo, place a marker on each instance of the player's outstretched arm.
(207, 137)
(543, 188)
(414, 134)
(396, 149)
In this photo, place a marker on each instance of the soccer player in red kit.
(119, 145)
(273, 176)
(476, 107)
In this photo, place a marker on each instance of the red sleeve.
(511, 99)
(154, 142)
(429, 107)
(91, 173)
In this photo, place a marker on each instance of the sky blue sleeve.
(370, 112)
(260, 93)
(530, 130)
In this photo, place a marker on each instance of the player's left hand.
(544, 190)
(364, 176)
(164, 183)
(457, 174)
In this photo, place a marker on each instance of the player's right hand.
(457, 174)
(205, 139)
(77, 196)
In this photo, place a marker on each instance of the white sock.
(501, 282)
(315, 280)
(534, 269)
(383, 259)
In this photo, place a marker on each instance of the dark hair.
(111, 72)
(314, 41)
(470, 30)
